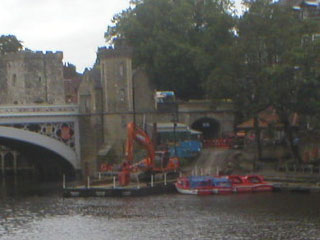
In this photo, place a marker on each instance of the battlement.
(28, 54)
(111, 52)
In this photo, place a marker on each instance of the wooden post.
(99, 175)
(15, 164)
(165, 178)
(2, 164)
(114, 182)
(151, 180)
(88, 182)
(63, 181)
(138, 183)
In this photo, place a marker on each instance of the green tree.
(263, 68)
(9, 43)
(178, 42)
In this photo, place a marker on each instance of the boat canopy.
(206, 181)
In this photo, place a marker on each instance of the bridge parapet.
(12, 110)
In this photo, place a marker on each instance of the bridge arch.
(209, 127)
(41, 141)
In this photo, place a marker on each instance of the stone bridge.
(54, 128)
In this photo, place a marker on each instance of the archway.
(8, 160)
(13, 137)
(209, 127)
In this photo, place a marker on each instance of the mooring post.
(15, 164)
(2, 164)
(88, 182)
(114, 182)
(63, 181)
(151, 180)
(165, 178)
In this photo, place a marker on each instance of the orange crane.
(155, 162)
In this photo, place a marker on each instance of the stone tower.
(116, 79)
(116, 82)
(28, 77)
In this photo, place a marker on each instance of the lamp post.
(174, 137)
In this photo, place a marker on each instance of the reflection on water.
(174, 216)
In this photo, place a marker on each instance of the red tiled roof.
(266, 118)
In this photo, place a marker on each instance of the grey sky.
(75, 27)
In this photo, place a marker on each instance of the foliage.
(272, 64)
(9, 43)
(178, 42)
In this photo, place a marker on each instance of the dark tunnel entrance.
(209, 127)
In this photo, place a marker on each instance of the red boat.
(205, 185)
(249, 183)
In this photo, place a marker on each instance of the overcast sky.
(75, 27)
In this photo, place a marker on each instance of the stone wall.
(32, 78)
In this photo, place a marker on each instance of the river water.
(38, 214)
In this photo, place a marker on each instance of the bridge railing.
(10, 109)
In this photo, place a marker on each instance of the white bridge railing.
(11, 110)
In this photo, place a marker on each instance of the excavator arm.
(136, 134)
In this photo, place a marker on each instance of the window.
(121, 95)
(14, 80)
(121, 70)
(316, 37)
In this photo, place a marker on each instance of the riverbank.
(239, 162)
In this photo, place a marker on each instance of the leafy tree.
(178, 42)
(9, 43)
(263, 68)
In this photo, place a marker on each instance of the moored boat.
(206, 185)
(249, 183)
(203, 185)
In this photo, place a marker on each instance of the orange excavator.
(155, 162)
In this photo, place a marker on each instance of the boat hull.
(199, 191)
(244, 186)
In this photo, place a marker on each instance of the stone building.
(106, 103)
(28, 77)
(112, 94)
(91, 118)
